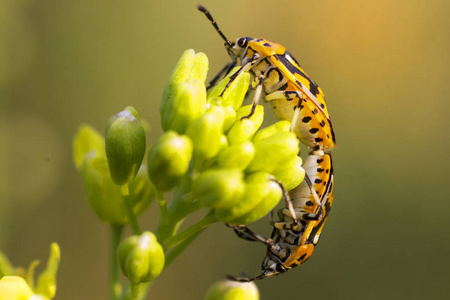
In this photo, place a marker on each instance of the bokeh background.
(384, 67)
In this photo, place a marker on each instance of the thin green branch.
(192, 230)
(115, 286)
(129, 207)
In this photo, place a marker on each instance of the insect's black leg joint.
(252, 111)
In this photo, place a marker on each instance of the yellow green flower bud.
(232, 290)
(206, 132)
(14, 288)
(168, 160)
(261, 195)
(184, 96)
(125, 145)
(219, 187)
(105, 197)
(273, 151)
(46, 285)
(235, 93)
(236, 156)
(188, 103)
(272, 129)
(6, 268)
(199, 69)
(223, 142)
(230, 116)
(244, 129)
(190, 66)
(291, 173)
(87, 140)
(141, 258)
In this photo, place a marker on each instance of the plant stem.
(184, 235)
(115, 286)
(131, 215)
(162, 206)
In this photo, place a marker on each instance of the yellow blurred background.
(383, 65)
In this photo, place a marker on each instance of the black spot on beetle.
(322, 105)
(267, 45)
(317, 180)
(320, 170)
(283, 58)
(314, 130)
(318, 140)
(327, 171)
(322, 123)
(319, 160)
(306, 119)
(308, 203)
(315, 111)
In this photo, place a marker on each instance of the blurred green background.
(383, 65)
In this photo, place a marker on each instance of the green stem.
(194, 229)
(129, 207)
(135, 290)
(162, 206)
(115, 286)
(130, 291)
(177, 250)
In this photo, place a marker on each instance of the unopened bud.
(46, 285)
(290, 174)
(87, 140)
(105, 197)
(244, 129)
(14, 288)
(184, 96)
(125, 145)
(273, 151)
(141, 257)
(219, 187)
(261, 195)
(236, 156)
(232, 290)
(280, 126)
(206, 133)
(235, 93)
(168, 160)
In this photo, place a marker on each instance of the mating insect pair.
(295, 97)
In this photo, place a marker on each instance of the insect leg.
(259, 88)
(289, 204)
(246, 233)
(244, 68)
(224, 72)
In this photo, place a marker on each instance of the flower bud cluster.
(141, 258)
(232, 165)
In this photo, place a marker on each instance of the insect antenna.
(208, 15)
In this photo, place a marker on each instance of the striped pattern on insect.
(289, 247)
(295, 97)
(293, 94)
